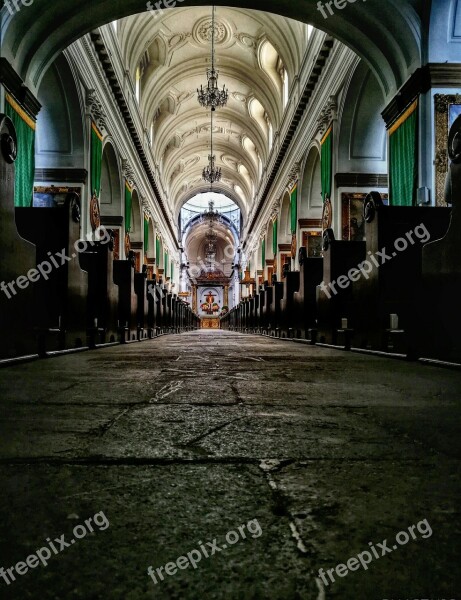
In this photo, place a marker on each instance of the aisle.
(305, 454)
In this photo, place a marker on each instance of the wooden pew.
(102, 299)
(274, 307)
(17, 314)
(142, 310)
(439, 319)
(334, 302)
(60, 298)
(395, 237)
(127, 299)
(305, 300)
(287, 305)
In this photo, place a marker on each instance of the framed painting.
(352, 221)
(312, 240)
(447, 107)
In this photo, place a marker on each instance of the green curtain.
(403, 158)
(165, 264)
(263, 253)
(326, 161)
(157, 251)
(274, 237)
(128, 202)
(96, 160)
(146, 234)
(294, 209)
(24, 167)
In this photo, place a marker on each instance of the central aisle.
(182, 439)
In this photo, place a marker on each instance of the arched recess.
(136, 230)
(272, 64)
(111, 183)
(269, 236)
(362, 138)
(311, 203)
(285, 220)
(60, 128)
(151, 242)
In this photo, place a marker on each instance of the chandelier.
(211, 214)
(211, 96)
(211, 173)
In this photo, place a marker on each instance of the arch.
(137, 230)
(272, 65)
(362, 134)
(285, 220)
(311, 202)
(258, 114)
(269, 235)
(111, 183)
(390, 41)
(60, 138)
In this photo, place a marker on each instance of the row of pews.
(381, 294)
(68, 293)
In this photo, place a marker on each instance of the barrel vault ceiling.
(168, 57)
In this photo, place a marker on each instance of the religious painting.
(312, 241)
(52, 197)
(352, 221)
(116, 244)
(284, 258)
(447, 109)
(137, 261)
(210, 301)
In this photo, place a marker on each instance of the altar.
(210, 323)
(210, 297)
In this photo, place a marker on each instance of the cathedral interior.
(230, 290)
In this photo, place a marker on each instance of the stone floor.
(186, 438)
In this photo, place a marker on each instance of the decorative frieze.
(328, 114)
(95, 109)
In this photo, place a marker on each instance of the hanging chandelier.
(211, 214)
(211, 96)
(211, 173)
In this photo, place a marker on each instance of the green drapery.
(128, 203)
(294, 209)
(165, 264)
(157, 251)
(274, 237)
(263, 253)
(146, 233)
(403, 158)
(24, 167)
(96, 160)
(326, 163)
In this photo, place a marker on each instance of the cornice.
(15, 86)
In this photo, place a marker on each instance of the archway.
(389, 41)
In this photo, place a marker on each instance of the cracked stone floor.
(184, 438)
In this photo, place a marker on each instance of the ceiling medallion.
(211, 96)
(206, 30)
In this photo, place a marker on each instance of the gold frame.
(442, 103)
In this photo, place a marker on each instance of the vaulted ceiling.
(168, 55)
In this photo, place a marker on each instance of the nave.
(182, 439)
